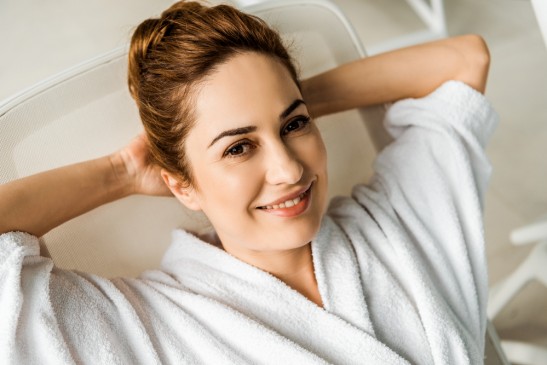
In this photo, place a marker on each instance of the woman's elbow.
(476, 61)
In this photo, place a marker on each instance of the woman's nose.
(283, 167)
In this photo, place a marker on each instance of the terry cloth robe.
(400, 268)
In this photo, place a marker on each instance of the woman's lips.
(290, 207)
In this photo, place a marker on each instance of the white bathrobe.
(400, 267)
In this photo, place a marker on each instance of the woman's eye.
(296, 124)
(239, 149)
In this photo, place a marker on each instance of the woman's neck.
(294, 267)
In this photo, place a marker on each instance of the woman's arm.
(38, 203)
(408, 72)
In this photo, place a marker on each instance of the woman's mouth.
(290, 207)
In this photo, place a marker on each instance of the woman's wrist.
(120, 180)
(307, 88)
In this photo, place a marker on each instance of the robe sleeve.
(434, 176)
(55, 316)
(28, 322)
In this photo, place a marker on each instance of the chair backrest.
(87, 112)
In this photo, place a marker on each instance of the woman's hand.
(142, 174)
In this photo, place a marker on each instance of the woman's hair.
(168, 58)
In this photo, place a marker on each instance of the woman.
(393, 275)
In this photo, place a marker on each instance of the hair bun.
(150, 33)
(182, 6)
(147, 35)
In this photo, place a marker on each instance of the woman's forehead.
(250, 87)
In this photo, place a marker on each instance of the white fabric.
(400, 267)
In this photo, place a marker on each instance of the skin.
(279, 164)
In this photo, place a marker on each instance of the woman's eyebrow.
(295, 104)
(244, 130)
(233, 132)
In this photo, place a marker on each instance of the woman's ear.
(185, 193)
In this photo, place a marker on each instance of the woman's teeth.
(289, 203)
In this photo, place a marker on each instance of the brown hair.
(169, 56)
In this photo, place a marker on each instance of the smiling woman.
(394, 274)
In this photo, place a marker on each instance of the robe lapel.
(338, 277)
(341, 333)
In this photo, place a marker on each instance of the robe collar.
(342, 328)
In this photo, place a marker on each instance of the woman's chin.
(293, 239)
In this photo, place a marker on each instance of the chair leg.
(532, 268)
(503, 292)
(431, 13)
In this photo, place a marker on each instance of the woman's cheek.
(241, 178)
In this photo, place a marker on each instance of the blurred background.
(41, 38)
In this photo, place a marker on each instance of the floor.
(55, 35)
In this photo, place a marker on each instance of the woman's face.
(258, 161)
